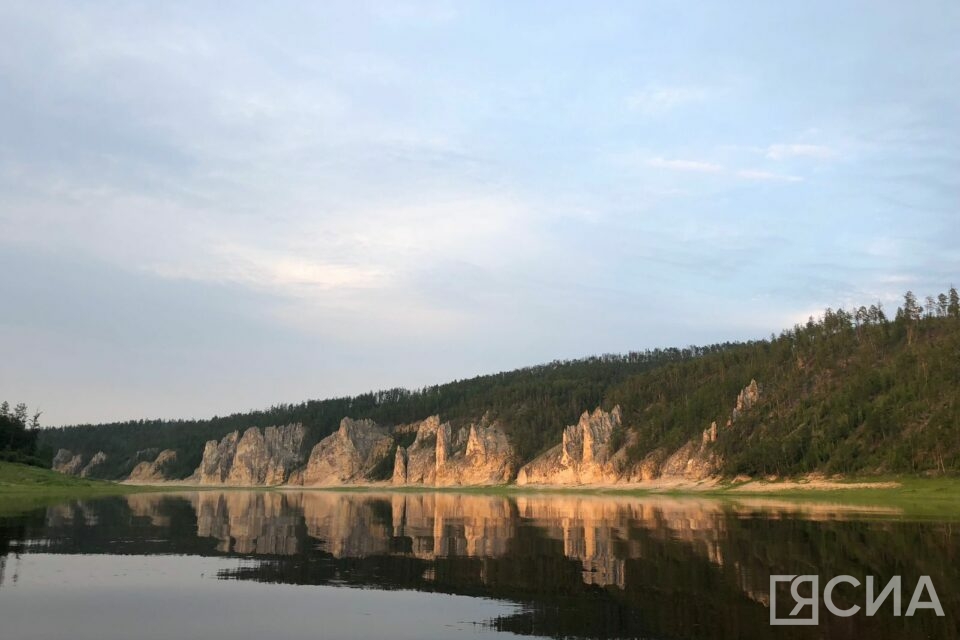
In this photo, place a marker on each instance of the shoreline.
(813, 484)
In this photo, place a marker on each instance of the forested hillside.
(853, 391)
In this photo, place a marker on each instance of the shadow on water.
(578, 566)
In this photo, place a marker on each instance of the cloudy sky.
(205, 210)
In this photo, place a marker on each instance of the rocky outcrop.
(91, 467)
(594, 451)
(157, 470)
(696, 460)
(67, 463)
(417, 464)
(442, 455)
(217, 460)
(586, 454)
(257, 458)
(693, 461)
(399, 466)
(348, 456)
(267, 458)
(748, 397)
(583, 457)
(486, 458)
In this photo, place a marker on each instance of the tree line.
(18, 435)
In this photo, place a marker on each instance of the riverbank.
(899, 488)
(23, 484)
(907, 495)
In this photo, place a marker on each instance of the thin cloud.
(659, 100)
(697, 166)
(785, 151)
(700, 166)
(754, 174)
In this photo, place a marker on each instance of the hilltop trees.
(18, 434)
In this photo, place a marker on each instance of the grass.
(19, 479)
(24, 487)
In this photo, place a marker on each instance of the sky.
(205, 210)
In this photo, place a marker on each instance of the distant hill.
(853, 391)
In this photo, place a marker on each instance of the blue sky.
(204, 211)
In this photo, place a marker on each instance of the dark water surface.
(262, 564)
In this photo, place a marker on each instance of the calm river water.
(323, 564)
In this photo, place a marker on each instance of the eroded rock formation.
(445, 456)
(156, 470)
(584, 455)
(257, 458)
(696, 460)
(487, 457)
(348, 456)
(417, 464)
(67, 463)
(594, 451)
(91, 467)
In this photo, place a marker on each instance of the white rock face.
(67, 463)
(157, 470)
(486, 458)
(419, 460)
(348, 456)
(442, 455)
(747, 398)
(98, 458)
(583, 457)
(255, 459)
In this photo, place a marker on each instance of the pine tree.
(20, 414)
(912, 312)
(953, 309)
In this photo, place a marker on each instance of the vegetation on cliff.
(850, 392)
(853, 391)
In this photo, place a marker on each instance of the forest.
(18, 436)
(851, 391)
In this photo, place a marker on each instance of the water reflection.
(579, 566)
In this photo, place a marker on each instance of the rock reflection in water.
(594, 531)
(579, 565)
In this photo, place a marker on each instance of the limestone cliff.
(257, 458)
(156, 470)
(267, 458)
(348, 456)
(91, 467)
(487, 457)
(217, 460)
(592, 451)
(443, 455)
(417, 464)
(67, 463)
(584, 455)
